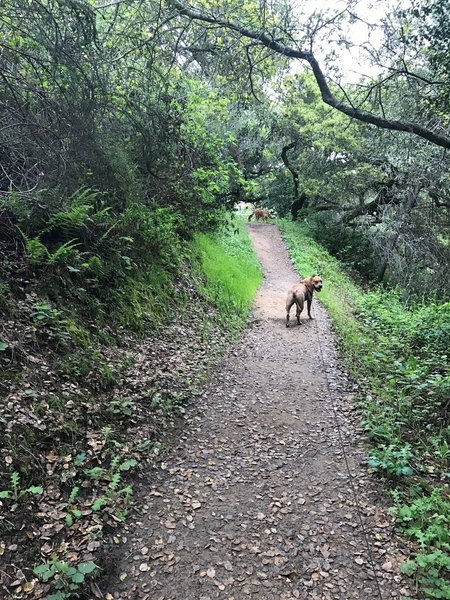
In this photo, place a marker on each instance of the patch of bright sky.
(353, 61)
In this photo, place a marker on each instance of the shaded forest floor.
(86, 445)
(263, 493)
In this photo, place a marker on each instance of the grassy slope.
(399, 356)
(232, 271)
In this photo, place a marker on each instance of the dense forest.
(124, 112)
(130, 130)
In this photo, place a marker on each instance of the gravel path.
(257, 498)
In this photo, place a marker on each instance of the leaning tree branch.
(327, 96)
(291, 168)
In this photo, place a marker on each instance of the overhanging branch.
(326, 94)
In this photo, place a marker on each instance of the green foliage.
(115, 496)
(122, 407)
(36, 252)
(64, 577)
(50, 325)
(412, 353)
(350, 245)
(15, 493)
(90, 366)
(120, 264)
(426, 520)
(65, 254)
(392, 461)
(44, 314)
(427, 26)
(231, 270)
(73, 512)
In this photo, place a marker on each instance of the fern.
(73, 494)
(35, 251)
(69, 223)
(65, 254)
(72, 221)
(115, 480)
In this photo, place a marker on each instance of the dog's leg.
(289, 302)
(299, 304)
(309, 302)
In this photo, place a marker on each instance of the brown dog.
(259, 213)
(300, 292)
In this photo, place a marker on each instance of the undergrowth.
(231, 271)
(400, 355)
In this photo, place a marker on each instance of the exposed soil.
(264, 494)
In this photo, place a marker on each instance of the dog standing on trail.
(259, 213)
(301, 291)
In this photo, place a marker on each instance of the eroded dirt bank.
(257, 498)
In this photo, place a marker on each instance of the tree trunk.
(297, 205)
(299, 199)
(409, 205)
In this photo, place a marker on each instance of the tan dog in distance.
(300, 292)
(259, 213)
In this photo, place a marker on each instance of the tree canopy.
(190, 107)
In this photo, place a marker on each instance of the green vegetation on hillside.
(232, 272)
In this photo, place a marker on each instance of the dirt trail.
(255, 500)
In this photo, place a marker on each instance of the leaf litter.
(87, 440)
(253, 499)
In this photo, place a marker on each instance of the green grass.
(231, 271)
(400, 357)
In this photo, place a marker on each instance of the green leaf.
(3, 346)
(87, 567)
(100, 502)
(78, 577)
(35, 489)
(408, 567)
(128, 464)
(41, 569)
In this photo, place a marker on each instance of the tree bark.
(384, 196)
(299, 199)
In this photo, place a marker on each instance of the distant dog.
(259, 213)
(300, 292)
